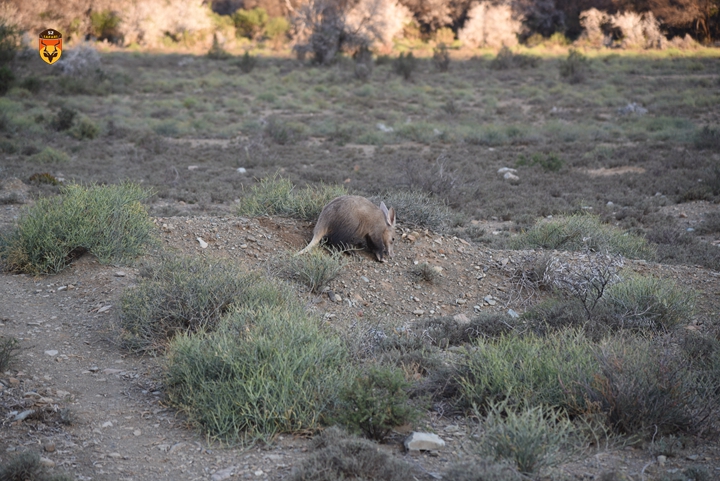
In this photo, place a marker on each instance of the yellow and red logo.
(50, 46)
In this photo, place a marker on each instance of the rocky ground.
(97, 412)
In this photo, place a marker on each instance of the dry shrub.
(594, 22)
(148, 23)
(339, 456)
(81, 61)
(378, 20)
(490, 25)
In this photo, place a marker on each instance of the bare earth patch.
(603, 172)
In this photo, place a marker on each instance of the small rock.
(48, 463)
(223, 474)
(259, 472)
(203, 244)
(661, 460)
(192, 167)
(107, 424)
(693, 457)
(104, 309)
(682, 215)
(461, 318)
(49, 447)
(365, 279)
(510, 176)
(513, 314)
(115, 455)
(137, 432)
(423, 442)
(241, 170)
(460, 301)
(120, 274)
(418, 312)
(505, 170)
(51, 352)
(62, 288)
(690, 229)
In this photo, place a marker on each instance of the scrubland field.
(560, 322)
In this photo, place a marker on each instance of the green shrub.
(277, 196)
(507, 59)
(247, 62)
(337, 456)
(526, 371)
(105, 26)
(217, 52)
(316, 268)
(643, 302)
(108, 221)
(285, 132)
(250, 23)
(10, 37)
(707, 138)
(64, 119)
(574, 69)
(180, 294)
(550, 162)
(405, 65)
(375, 402)
(276, 30)
(580, 232)
(7, 79)
(441, 57)
(85, 129)
(269, 368)
(532, 438)
(48, 155)
(8, 347)
(32, 84)
(26, 467)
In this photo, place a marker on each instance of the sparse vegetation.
(532, 438)
(340, 456)
(8, 349)
(26, 466)
(375, 402)
(405, 65)
(575, 68)
(48, 155)
(507, 59)
(426, 272)
(316, 268)
(278, 196)
(584, 231)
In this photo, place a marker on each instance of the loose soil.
(117, 426)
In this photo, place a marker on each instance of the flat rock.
(423, 442)
(223, 474)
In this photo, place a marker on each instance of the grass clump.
(580, 232)
(483, 470)
(525, 371)
(574, 69)
(426, 272)
(316, 268)
(270, 367)
(339, 456)
(26, 467)
(643, 302)
(109, 221)
(64, 119)
(531, 438)
(8, 348)
(48, 155)
(285, 132)
(707, 138)
(507, 59)
(180, 294)
(247, 62)
(278, 196)
(405, 65)
(44, 178)
(441, 57)
(375, 402)
(85, 129)
(549, 162)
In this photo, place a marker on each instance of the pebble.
(49, 447)
(23, 415)
(137, 432)
(460, 301)
(120, 274)
(365, 279)
(418, 312)
(513, 314)
(104, 309)
(115, 455)
(661, 460)
(203, 244)
(48, 463)
(51, 352)
(107, 424)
